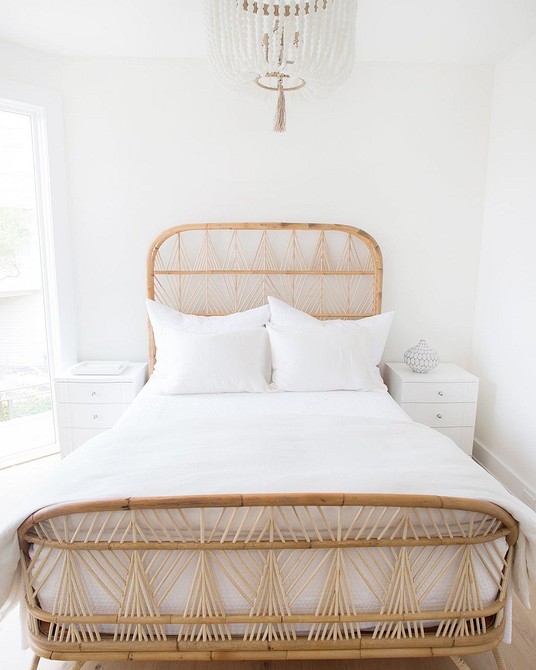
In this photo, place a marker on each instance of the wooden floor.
(520, 655)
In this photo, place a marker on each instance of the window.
(28, 312)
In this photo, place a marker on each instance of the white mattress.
(268, 443)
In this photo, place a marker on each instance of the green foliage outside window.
(25, 407)
(14, 234)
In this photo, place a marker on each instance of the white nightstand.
(444, 399)
(89, 404)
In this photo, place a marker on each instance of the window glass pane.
(26, 419)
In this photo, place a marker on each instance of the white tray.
(99, 368)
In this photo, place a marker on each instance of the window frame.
(46, 120)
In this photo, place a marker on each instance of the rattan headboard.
(328, 270)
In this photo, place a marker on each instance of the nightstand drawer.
(437, 415)
(93, 392)
(89, 404)
(71, 415)
(444, 399)
(438, 392)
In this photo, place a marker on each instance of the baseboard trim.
(484, 457)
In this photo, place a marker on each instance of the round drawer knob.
(95, 416)
(439, 416)
(440, 393)
(95, 393)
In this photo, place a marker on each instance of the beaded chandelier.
(281, 46)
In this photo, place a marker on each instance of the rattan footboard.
(269, 549)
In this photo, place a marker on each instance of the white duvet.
(351, 442)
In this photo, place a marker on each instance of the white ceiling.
(431, 31)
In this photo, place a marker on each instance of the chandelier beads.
(303, 46)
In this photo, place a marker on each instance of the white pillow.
(162, 316)
(376, 327)
(320, 359)
(218, 363)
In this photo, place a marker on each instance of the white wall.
(505, 326)
(400, 151)
(26, 66)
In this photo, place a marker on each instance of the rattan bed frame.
(269, 547)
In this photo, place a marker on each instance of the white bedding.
(341, 441)
(153, 405)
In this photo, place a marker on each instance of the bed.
(269, 526)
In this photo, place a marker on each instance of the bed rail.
(266, 577)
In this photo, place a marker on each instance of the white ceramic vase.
(421, 358)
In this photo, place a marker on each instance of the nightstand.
(89, 404)
(444, 398)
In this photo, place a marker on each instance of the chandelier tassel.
(280, 124)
